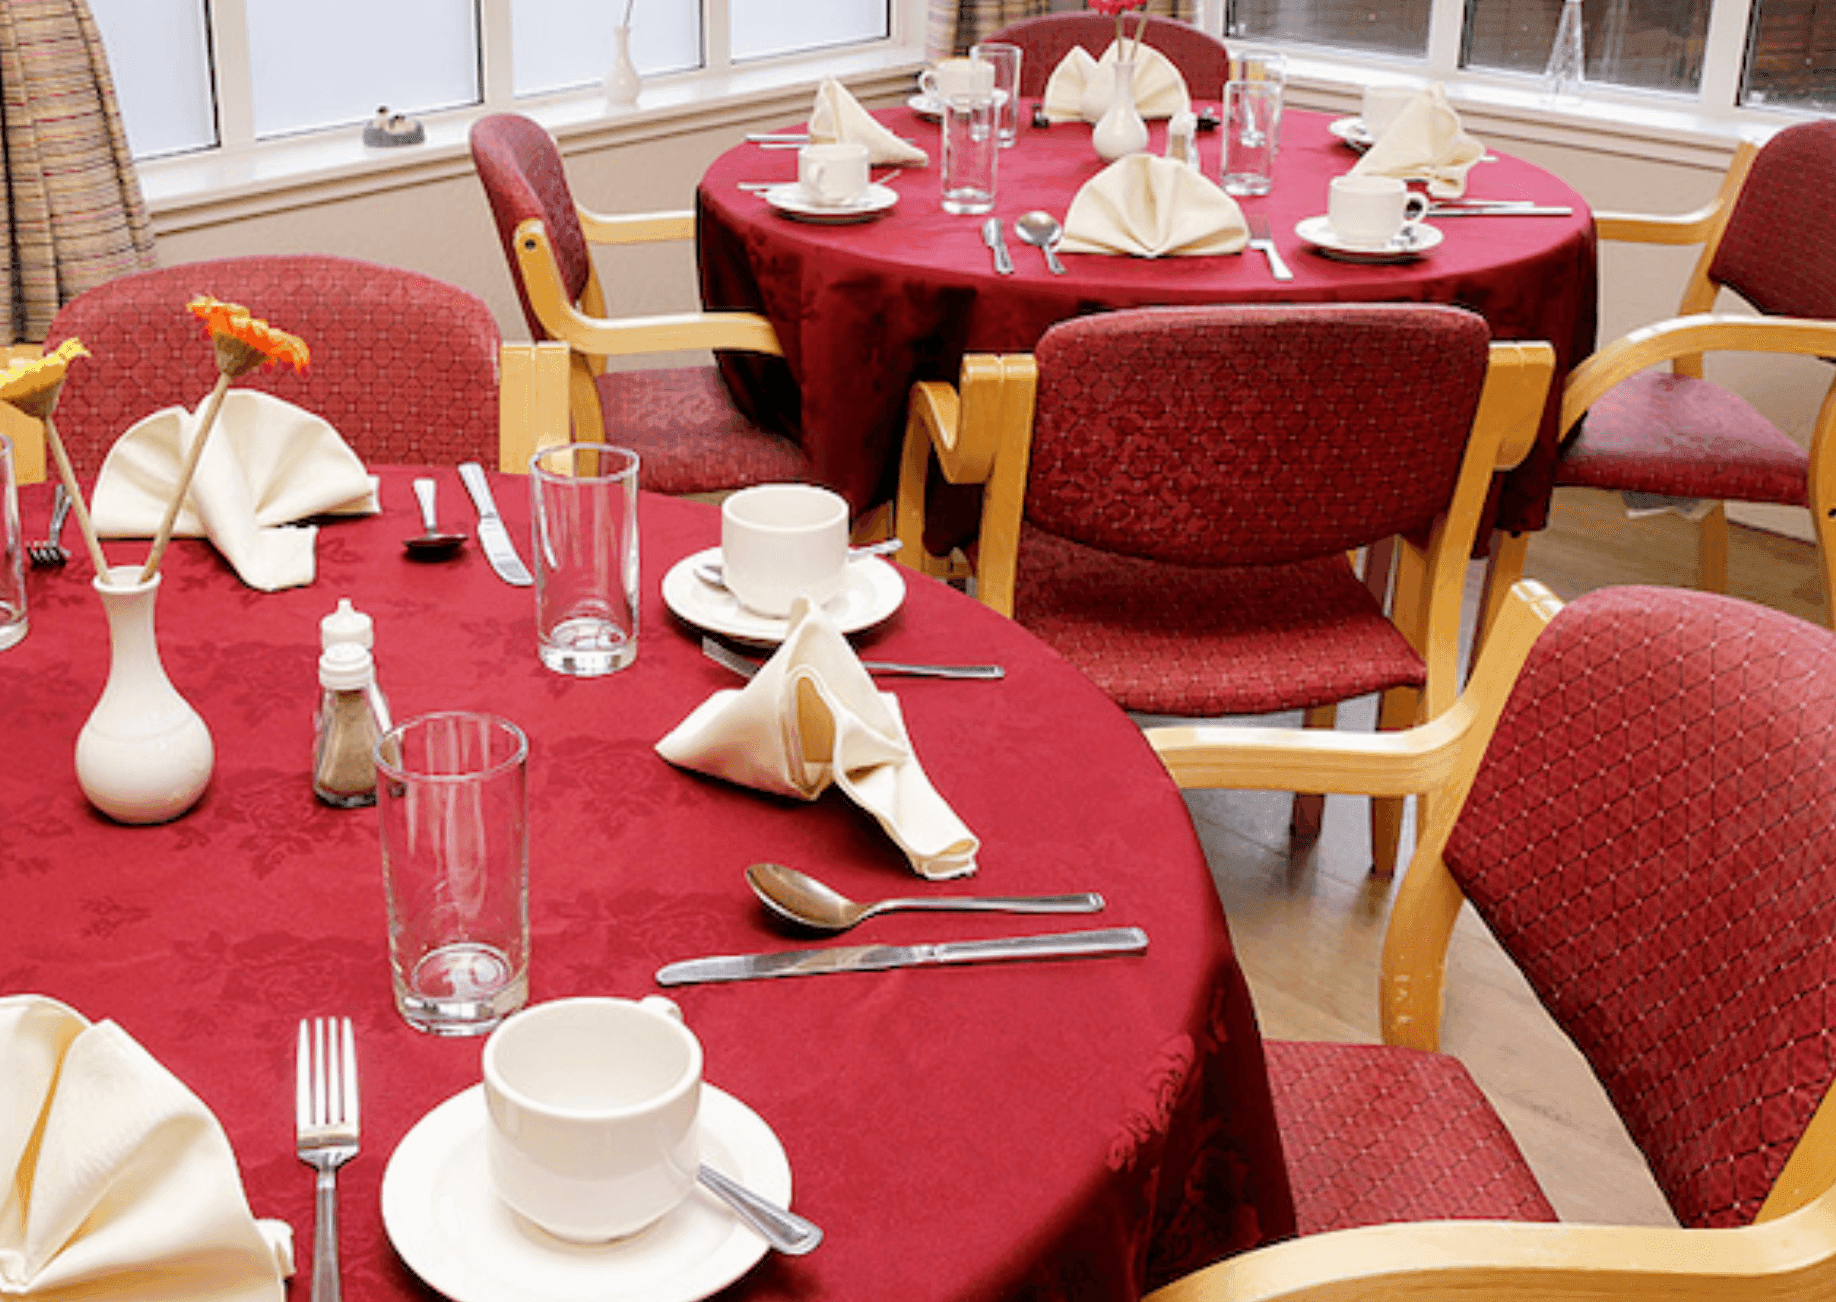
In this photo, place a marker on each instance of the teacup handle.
(658, 1004)
(927, 82)
(1415, 207)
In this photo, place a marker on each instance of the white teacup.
(833, 173)
(1371, 211)
(594, 1114)
(777, 540)
(955, 79)
(1382, 104)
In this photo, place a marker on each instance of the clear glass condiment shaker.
(352, 715)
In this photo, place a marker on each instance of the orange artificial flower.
(244, 341)
(32, 385)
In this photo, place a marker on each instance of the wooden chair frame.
(1789, 1252)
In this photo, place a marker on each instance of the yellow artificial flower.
(244, 341)
(32, 385)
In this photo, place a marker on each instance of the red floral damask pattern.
(404, 366)
(1649, 838)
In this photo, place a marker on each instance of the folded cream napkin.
(1160, 91)
(118, 1182)
(1152, 207)
(1424, 141)
(839, 117)
(812, 716)
(267, 464)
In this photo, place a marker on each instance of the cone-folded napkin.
(1153, 207)
(1160, 90)
(838, 118)
(1425, 140)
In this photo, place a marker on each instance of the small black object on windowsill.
(388, 129)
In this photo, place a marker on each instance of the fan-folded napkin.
(838, 118)
(267, 463)
(119, 1183)
(1160, 91)
(1152, 207)
(1425, 139)
(812, 716)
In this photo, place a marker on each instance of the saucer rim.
(1352, 132)
(875, 200)
(881, 582)
(925, 107)
(1310, 229)
(740, 1135)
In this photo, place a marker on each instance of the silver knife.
(991, 236)
(1516, 210)
(492, 535)
(877, 958)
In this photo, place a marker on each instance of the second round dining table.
(865, 310)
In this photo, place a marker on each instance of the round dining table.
(1069, 1128)
(863, 310)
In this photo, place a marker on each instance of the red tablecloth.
(865, 310)
(1039, 1130)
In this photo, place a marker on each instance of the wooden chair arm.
(635, 227)
(1792, 1259)
(1644, 228)
(532, 403)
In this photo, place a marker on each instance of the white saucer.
(1407, 246)
(791, 200)
(874, 591)
(925, 107)
(452, 1231)
(1353, 132)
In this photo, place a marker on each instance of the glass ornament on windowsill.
(1567, 68)
(622, 80)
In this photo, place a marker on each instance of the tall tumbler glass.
(971, 148)
(12, 571)
(1263, 66)
(451, 798)
(1251, 109)
(1005, 60)
(585, 522)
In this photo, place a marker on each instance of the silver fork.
(1260, 238)
(325, 1120)
(52, 552)
(722, 654)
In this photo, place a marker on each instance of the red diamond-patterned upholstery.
(1045, 40)
(1375, 1134)
(1198, 474)
(1658, 433)
(680, 421)
(1650, 838)
(404, 366)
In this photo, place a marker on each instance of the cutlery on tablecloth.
(877, 958)
(52, 552)
(784, 1230)
(1263, 241)
(991, 236)
(1043, 231)
(760, 187)
(492, 536)
(722, 654)
(325, 1123)
(797, 897)
(1500, 210)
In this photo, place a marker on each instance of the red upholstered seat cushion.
(1660, 433)
(687, 433)
(1375, 1134)
(1164, 638)
(1650, 838)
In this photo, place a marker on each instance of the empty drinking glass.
(971, 148)
(1251, 110)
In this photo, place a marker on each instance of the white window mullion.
(497, 74)
(1724, 55)
(717, 35)
(1445, 22)
(229, 41)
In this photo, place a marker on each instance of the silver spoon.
(714, 574)
(784, 1230)
(800, 898)
(432, 543)
(1041, 229)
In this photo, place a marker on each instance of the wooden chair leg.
(1504, 565)
(1396, 710)
(1310, 806)
(1712, 550)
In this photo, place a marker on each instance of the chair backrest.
(1650, 838)
(404, 366)
(1252, 434)
(1776, 251)
(1044, 41)
(523, 178)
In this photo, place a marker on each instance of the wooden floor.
(1308, 926)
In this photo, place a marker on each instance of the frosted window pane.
(160, 61)
(561, 44)
(1377, 26)
(762, 28)
(1654, 44)
(334, 62)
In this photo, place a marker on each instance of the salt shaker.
(1182, 138)
(352, 715)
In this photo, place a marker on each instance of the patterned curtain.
(74, 212)
(952, 26)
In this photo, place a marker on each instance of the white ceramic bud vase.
(1121, 131)
(144, 756)
(622, 81)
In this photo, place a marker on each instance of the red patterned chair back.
(1776, 251)
(1252, 435)
(523, 177)
(1650, 837)
(403, 366)
(1044, 41)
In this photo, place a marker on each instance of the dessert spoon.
(432, 542)
(800, 898)
(1042, 231)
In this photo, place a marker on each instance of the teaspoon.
(784, 1230)
(800, 898)
(1042, 230)
(714, 574)
(432, 543)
